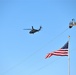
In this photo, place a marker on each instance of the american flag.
(61, 52)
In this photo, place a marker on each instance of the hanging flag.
(61, 52)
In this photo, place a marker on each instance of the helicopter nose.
(31, 32)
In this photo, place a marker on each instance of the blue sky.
(22, 53)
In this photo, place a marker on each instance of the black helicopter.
(32, 31)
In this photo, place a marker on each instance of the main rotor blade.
(26, 29)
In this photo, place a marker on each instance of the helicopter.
(32, 31)
(72, 23)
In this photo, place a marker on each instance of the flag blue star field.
(61, 52)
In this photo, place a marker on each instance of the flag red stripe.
(62, 50)
(61, 54)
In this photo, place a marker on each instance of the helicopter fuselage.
(33, 31)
